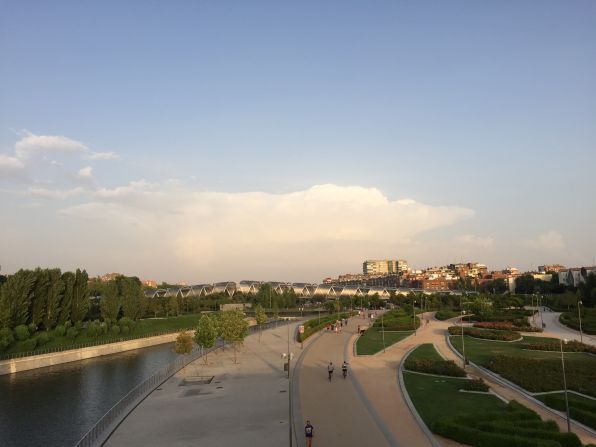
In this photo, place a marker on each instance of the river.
(57, 405)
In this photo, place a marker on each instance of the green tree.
(261, 318)
(15, 299)
(132, 296)
(183, 343)
(110, 302)
(68, 278)
(173, 308)
(80, 298)
(234, 328)
(40, 296)
(54, 298)
(482, 307)
(206, 333)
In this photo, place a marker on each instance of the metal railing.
(125, 405)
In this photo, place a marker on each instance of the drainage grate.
(196, 380)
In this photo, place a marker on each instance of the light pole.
(579, 314)
(565, 386)
(533, 310)
(539, 312)
(414, 315)
(463, 343)
(383, 331)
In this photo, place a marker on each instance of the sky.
(204, 141)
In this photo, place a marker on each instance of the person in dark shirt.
(308, 433)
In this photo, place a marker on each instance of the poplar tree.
(54, 298)
(68, 278)
(110, 302)
(41, 289)
(80, 297)
(15, 299)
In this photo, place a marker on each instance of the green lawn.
(581, 408)
(142, 328)
(426, 351)
(446, 314)
(436, 397)
(372, 340)
(571, 319)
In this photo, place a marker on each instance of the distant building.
(149, 283)
(551, 268)
(109, 277)
(575, 276)
(384, 266)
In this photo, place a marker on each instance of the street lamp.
(539, 312)
(463, 343)
(414, 314)
(383, 331)
(579, 314)
(289, 356)
(565, 386)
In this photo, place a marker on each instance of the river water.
(57, 405)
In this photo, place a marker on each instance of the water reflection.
(55, 406)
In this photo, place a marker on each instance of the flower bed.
(572, 346)
(475, 385)
(516, 427)
(487, 334)
(506, 326)
(538, 375)
(439, 367)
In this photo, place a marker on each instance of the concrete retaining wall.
(55, 358)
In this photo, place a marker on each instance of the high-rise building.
(384, 266)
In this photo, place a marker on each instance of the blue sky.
(488, 108)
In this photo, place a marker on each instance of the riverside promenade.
(246, 403)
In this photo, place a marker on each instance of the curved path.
(554, 328)
(336, 409)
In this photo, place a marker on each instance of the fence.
(108, 422)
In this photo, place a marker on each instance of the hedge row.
(572, 346)
(475, 385)
(583, 412)
(588, 320)
(397, 320)
(315, 325)
(440, 367)
(518, 427)
(506, 326)
(538, 375)
(445, 314)
(487, 334)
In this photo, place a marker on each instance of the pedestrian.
(308, 433)
(358, 328)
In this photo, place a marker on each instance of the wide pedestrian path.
(554, 328)
(246, 403)
(336, 409)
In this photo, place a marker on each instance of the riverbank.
(17, 365)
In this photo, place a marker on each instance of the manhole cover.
(283, 391)
(220, 387)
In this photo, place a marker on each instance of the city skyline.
(294, 142)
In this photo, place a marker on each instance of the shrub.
(446, 314)
(475, 385)
(43, 338)
(6, 339)
(581, 375)
(32, 328)
(29, 344)
(115, 330)
(93, 330)
(584, 412)
(439, 367)
(68, 324)
(78, 325)
(126, 322)
(103, 328)
(60, 330)
(72, 333)
(506, 326)
(21, 332)
(487, 334)
(572, 346)
(125, 330)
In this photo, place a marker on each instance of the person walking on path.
(330, 369)
(308, 433)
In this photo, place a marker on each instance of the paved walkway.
(336, 409)
(553, 328)
(245, 404)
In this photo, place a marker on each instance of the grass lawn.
(142, 328)
(436, 397)
(588, 320)
(446, 314)
(426, 351)
(372, 340)
(581, 408)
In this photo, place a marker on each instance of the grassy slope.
(372, 340)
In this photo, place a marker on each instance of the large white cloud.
(31, 145)
(207, 233)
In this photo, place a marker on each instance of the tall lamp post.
(565, 386)
(383, 331)
(539, 312)
(463, 343)
(579, 314)
(414, 315)
(289, 357)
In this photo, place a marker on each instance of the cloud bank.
(209, 233)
